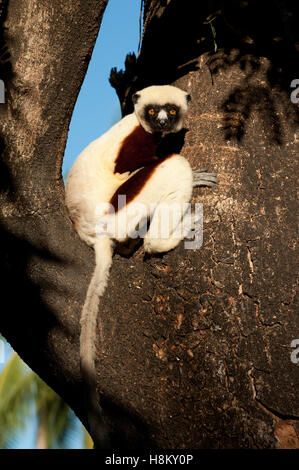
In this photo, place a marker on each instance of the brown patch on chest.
(138, 149)
(132, 187)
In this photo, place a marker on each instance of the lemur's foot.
(202, 178)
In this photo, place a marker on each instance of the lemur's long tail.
(103, 257)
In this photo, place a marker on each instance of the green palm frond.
(55, 413)
(23, 393)
(16, 388)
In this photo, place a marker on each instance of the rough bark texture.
(219, 320)
(45, 267)
(197, 343)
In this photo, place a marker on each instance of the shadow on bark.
(243, 33)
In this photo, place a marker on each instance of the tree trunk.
(197, 344)
(45, 266)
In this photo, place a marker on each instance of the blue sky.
(97, 108)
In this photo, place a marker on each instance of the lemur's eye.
(172, 112)
(151, 111)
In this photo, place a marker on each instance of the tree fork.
(195, 341)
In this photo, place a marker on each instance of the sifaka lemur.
(124, 162)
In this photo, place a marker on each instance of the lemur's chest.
(137, 150)
(139, 156)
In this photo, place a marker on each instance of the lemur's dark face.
(161, 118)
(160, 109)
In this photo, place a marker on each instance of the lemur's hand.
(202, 178)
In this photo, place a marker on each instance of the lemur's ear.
(135, 98)
(188, 98)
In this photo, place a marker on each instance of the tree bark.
(45, 267)
(222, 318)
(197, 344)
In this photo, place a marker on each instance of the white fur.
(161, 94)
(92, 179)
(162, 115)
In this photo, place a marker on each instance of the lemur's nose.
(162, 115)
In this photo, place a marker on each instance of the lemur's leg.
(157, 193)
(202, 178)
(175, 199)
(166, 228)
(160, 193)
(171, 188)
